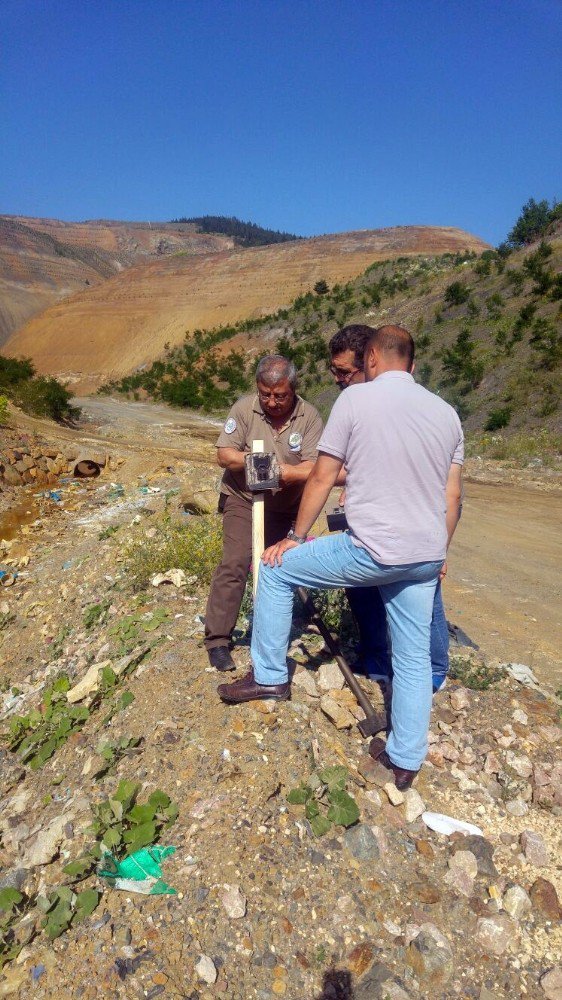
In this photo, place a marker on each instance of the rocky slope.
(44, 260)
(108, 330)
(385, 908)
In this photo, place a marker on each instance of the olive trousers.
(229, 579)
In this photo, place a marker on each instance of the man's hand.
(273, 555)
(443, 571)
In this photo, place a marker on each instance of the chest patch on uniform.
(295, 441)
(230, 425)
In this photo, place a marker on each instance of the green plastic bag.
(139, 872)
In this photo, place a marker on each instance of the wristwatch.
(295, 538)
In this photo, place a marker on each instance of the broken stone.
(361, 842)
(430, 956)
(521, 765)
(206, 969)
(520, 716)
(396, 797)
(360, 959)
(482, 850)
(304, 679)
(372, 801)
(88, 685)
(551, 983)
(340, 716)
(516, 902)
(414, 805)
(459, 699)
(495, 934)
(534, 848)
(372, 771)
(517, 807)
(545, 899)
(463, 868)
(233, 901)
(46, 845)
(330, 677)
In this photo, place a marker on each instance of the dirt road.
(503, 586)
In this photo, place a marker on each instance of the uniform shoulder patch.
(295, 441)
(230, 425)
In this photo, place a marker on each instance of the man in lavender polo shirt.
(402, 446)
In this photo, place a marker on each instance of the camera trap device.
(262, 471)
(337, 520)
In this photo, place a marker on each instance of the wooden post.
(258, 538)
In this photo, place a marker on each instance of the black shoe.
(220, 658)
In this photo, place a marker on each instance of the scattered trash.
(139, 872)
(522, 673)
(7, 579)
(149, 489)
(175, 576)
(55, 495)
(117, 490)
(448, 825)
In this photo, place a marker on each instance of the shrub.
(474, 674)
(534, 220)
(3, 409)
(457, 293)
(498, 419)
(45, 397)
(321, 287)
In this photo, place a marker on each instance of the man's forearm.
(295, 473)
(231, 459)
(321, 480)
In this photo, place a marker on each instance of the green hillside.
(488, 333)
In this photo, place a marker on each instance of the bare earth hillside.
(106, 331)
(44, 260)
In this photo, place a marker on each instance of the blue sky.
(306, 116)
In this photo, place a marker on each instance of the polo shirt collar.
(405, 376)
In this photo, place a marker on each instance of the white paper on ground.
(448, 824)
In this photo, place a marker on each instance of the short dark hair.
(352, 338)
(394, 340)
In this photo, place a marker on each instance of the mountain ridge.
(108, 330)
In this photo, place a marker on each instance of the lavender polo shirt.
(398, 442)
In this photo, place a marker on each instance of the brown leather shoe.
(247, 689)
(402, 777)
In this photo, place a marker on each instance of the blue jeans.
(407, 592)
(368, 610)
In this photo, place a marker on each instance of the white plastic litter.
(522, 673)
(448, 824)
(175, 576)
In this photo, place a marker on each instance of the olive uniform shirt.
(295, 442)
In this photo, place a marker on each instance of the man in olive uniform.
(290, 428)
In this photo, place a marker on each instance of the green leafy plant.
(95, 614)
(112, 529)
(11, 904)
(113, 752)
(36, 737)
(122, 825)
(63, 908)
(473, 673)
(127, 631)
(498, 419)
(325, 800)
